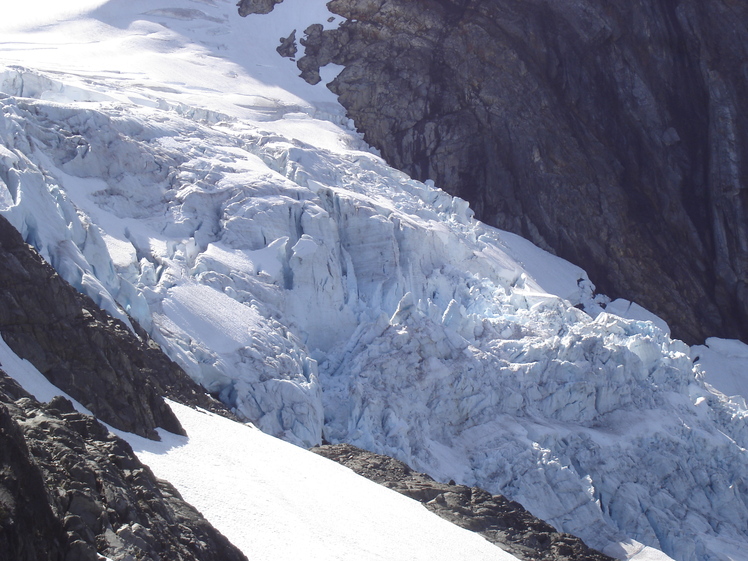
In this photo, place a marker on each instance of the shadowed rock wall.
(84, 351)
(614, 134)
(69, 489)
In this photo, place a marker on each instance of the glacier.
(322, 294)
(286, 503)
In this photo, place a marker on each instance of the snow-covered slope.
(277, 502)
(168, 163)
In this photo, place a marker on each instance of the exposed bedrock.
(84, 351)
(502, 522)
(72, 491)
(247, 7)
(613, 134)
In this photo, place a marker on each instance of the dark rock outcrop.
(247, 7)
(501, 521)
(69, 490)
(287, 47)
(613, 134)
(29, 530)
(83, 351)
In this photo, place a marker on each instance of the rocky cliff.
(71, 490)
(612, 134)
(82, 350)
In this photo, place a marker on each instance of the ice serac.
(247, 255)
(318, 291)
(611, 135)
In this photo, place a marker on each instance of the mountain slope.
(317, 291)
(284, 502)
(69, 489)
(613, 135)
(500, 521)
(84, 351)
(73, 491)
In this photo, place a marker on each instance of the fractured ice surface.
(321, 293)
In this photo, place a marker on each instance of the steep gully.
(612, 135)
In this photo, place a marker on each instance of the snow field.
(279, 502)
(275, 501)
(173, 167)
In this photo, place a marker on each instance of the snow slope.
(277, 502)
(286, 503)
(725, 365)
(169, 163)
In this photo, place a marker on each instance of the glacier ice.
(321, 293)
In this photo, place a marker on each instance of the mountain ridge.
(84, 351)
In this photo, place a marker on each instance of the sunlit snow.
(278, 502)
(166, 161)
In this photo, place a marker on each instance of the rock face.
(28, 527)
(613, 135)
(247, 7)
(70, 490)
(501, 521)
(82, 350)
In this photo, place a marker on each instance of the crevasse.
(324, 294)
